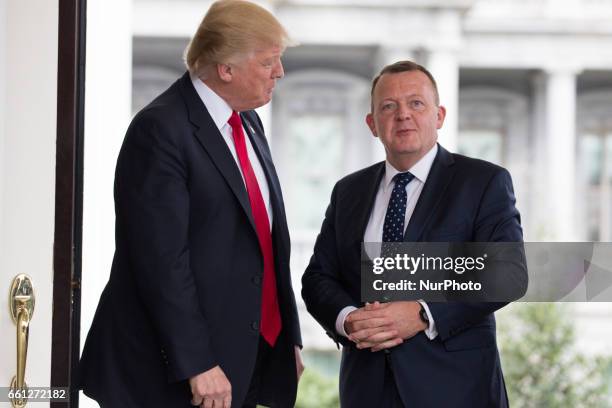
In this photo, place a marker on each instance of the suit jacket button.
(257, 280)
(255, 325)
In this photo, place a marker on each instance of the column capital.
(562, 69)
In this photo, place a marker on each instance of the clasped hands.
(380, 326)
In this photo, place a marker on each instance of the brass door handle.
(21, 301)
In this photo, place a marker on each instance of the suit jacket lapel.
(262, 151)
(256, 135)
(211, 140)
(439, 178)
(363, 202)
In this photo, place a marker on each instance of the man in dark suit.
(199, 308)
(411, 353)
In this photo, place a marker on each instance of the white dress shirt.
(220, 113)
(376, 222)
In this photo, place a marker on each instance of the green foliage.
(317, 391)
(541, 363)
(542, 367)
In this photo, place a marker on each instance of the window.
(594, 150)
(315, 153)
(596, 162)
(485, 144)
(319, 135)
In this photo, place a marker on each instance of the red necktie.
(270, 314)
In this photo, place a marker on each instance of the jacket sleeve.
(152, 207)
(497, 220)
(322, 289)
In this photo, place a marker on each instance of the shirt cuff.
(431, 332)
(341, 318)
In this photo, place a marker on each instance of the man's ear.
(441, 116)
(225, 72)
(370, 122)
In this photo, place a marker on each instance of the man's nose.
(403, 112)
(278, 72)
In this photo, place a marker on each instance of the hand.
(211, 389)
(381, 326)
(299, 364)
(356, 320)
(369, 327)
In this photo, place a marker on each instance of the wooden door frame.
(65, 334)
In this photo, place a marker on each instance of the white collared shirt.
(376, 222)
(220, 113)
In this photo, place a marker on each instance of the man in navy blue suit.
(199, 308)
(411, 353)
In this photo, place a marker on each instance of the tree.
(542, 367)
(317, 391)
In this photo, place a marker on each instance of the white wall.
(3, 33)
(6, 363)
(108, 84)
(28, 97)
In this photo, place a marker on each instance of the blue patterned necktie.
(393, 229)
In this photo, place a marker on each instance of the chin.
(411, 146)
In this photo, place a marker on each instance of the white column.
(540, 227)
(444, 67)
(560, 125)
(108, 93)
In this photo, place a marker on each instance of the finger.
(227, 402)
(368, 324)
(363, 313)
(377, 339)
(376, 306)
(196, 402)
(387, 344)
(218, 402)
(367, 345)
(371, 323)
(382, 336)
(368, 314)
(363, 334)
(356, 316)
(208, 402)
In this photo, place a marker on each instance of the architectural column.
(444, 67)
(538, 203)
(560, 146)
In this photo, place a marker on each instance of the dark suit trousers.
(255, 393)
(390, 397)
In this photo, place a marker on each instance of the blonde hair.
(230, 29)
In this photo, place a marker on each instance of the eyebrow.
(402, 97)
